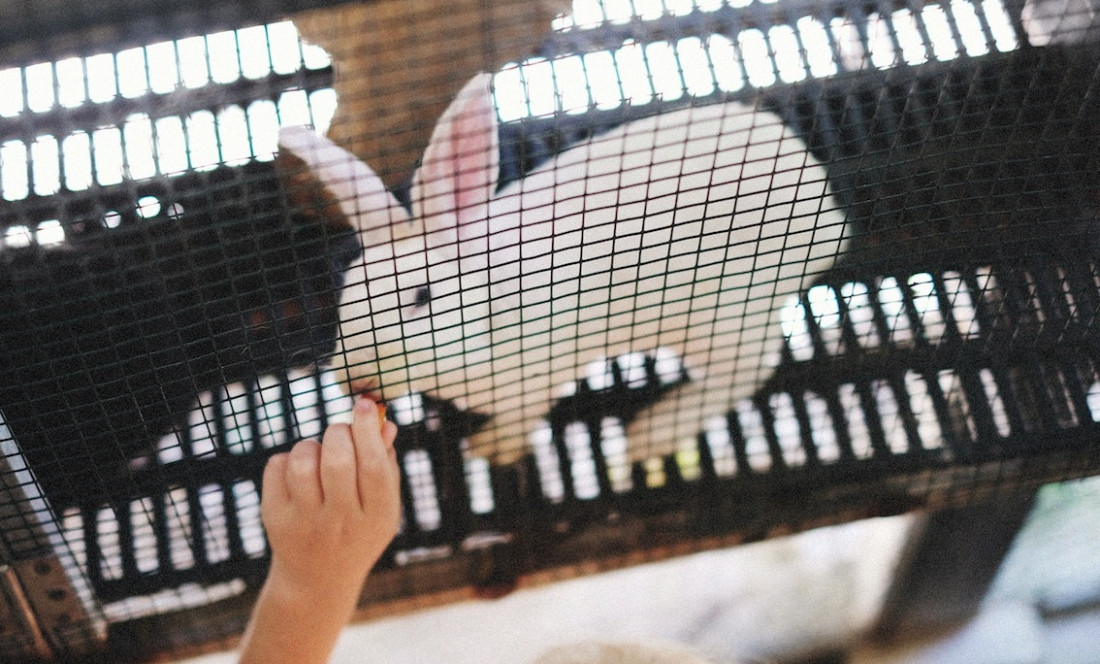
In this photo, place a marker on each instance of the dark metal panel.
(36, 30)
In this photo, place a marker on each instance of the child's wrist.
(313, 586)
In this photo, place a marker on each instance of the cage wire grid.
(169, 288)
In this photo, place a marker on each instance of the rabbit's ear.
(460, 167)
(325, 179)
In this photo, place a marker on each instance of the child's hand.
(331, 509)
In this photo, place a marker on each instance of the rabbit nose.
(367, 388)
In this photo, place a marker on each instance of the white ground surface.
(793, 593)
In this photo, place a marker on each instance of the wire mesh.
(179, 304)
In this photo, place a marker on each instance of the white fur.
(686, 231)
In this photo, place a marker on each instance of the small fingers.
(303, 474)
(366, 422)
(389, 435)
(375, 455)
(275, 490)
(338, 467)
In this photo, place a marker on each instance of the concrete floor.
(814, 590)
(778, 599)
(1001, 634)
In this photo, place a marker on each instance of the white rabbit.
(686, 230)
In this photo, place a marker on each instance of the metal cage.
(170, 300)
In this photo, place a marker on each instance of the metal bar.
(727, 21)
(60, 121)
(57, 608)
(36, 590)
(16, 610)
(950, 562)
(48, 29)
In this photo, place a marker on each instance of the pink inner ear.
(461, 163)
(473, 178)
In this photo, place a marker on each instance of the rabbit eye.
(423, 295)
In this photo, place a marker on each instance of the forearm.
(330, 512)
(295, 624)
